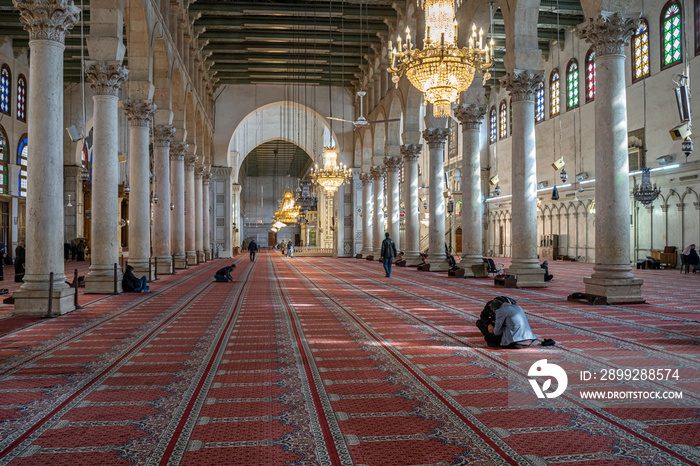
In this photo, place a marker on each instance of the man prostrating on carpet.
(224, 275)
(504, 324)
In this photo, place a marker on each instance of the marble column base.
(202, 257)
(100, 280)
(527, 275)
(36, 302)
(180, 262)
(207, 255)
(616, 290)
(467, 262)
(191, 257)
(366, 252)
(141, 268)
(412, 258)
(165, 265)
(438, 265)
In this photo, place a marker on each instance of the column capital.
(609, 32)
(178, 150)
(411, 152)
(366, 178)
(522, 85)
(377, 172)
(198, 170)
(206, 177)
(163, 135)
(190, 161)
(139, 112)
(392, 164)
(236, 188)
(106, 77)
(47, 19)
(435, 136)
(470, 115)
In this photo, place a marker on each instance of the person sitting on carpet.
(224, 275)
(132, 284)
(503, 323)
(547, 277)
(691, 257)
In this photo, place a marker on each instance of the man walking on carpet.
(252, 248)
(388, 253)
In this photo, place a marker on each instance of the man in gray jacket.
(508, 321)
(388, 253)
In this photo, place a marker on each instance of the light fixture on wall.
(442, 70)
(582, 176)
(69, 203)
(563, 175)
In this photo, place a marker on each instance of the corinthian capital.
(608, 32)
(178, 150)
(139, 112)
(522, 85)
(392, 164)
(190, 161)
(411, 152)
(198, 170)
(434, 136)
(106, 77)
(470, 115)
(366, 178)
(163, 135)
(377, 171)
(206, 177)
(47, 19)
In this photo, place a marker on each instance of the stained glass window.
(5, 89)
(539, 103)
(554, 93)
(590, 75)
(492, 127)
(510, 107)
(671, 23)
(640, 52)
(503, 114)
(572, 84)
(21, 98)
(22, 162)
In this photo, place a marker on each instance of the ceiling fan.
(362, 122)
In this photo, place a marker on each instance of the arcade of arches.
(172, 142)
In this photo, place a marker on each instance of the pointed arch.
(554, 93)
(572, 84)
(590, 75)
(640, 52)
(5, 88)
(671, 31)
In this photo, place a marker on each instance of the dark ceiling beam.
(283, 9)
(223, 57)
(290, 24)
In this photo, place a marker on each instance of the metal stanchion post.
(49, 312)
(115, 278)
(76, 284)
(187, 261)
(155, 275)
(196, 257)
(150, 270)
(173, 263)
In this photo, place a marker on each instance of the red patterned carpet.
(325, 361)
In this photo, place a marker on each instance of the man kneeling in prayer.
(224, 275)
(504, 324)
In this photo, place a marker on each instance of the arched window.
(22, 162)
(503, 114)
(572, 84)
(554, 93)
(510, 107)
(5, 89)
(4, 158)
(640, 52)
(22, 98)
(697, 27)
(671, 24)
(492, 125)
(590, 75)
(539, 103)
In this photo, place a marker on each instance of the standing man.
(252, 249)
(290, 249)
(388, 253)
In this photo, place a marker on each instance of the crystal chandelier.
(304, 199)
(646, 193)
(442, 70)
(288, 212)
(332, 175)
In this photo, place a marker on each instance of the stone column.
(237, 221)
(377, 173)
(163, 136)
(436, 137)
(47, 24)
(367, 220)
(106, 79)
(206, 230)
(525, 266)
(471, 116)
(612, 275)
(198, 214)
(392, 164)
(177, 218)
(410, 153)
(190, 210)
(139, 114)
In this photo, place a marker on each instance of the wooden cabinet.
(667, 259)
(549, 247)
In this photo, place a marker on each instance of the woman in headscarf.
(691, 257)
